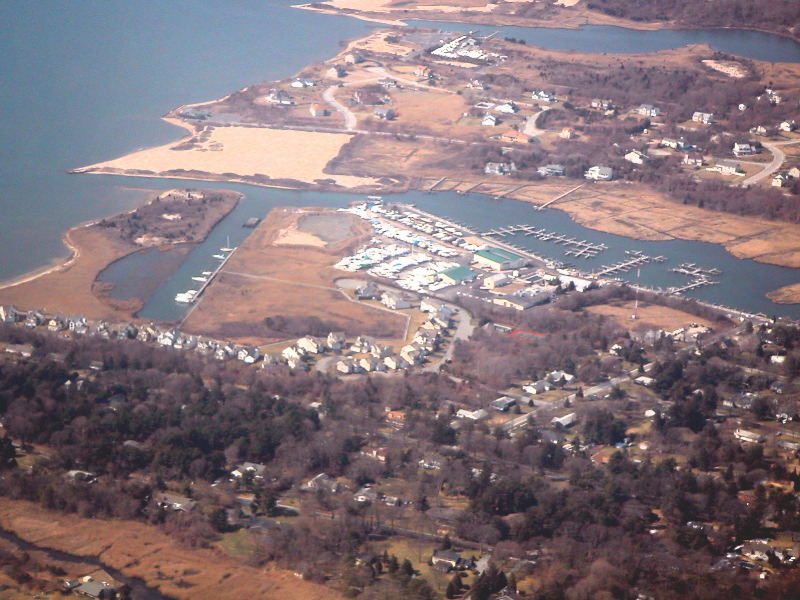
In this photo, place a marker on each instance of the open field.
(71, 287)
(237, 152)
(139, 550)
(267, 277)
(649, 316)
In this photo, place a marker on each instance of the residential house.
(248, 354)
(413, 353)
(292, 353)
(372, 364)
(602, 104)
(507, 108)
(336, 340)
(427, 339)
(780, 179)
(423, 72)
(565, 421)
(386, 114)
(704, 118)
(23, 350)
(335, 72)
(428, 305)
(560, 378)
(599, 173)
(443, 317)
(503, 404)
(366, 495)
(396, 418)
(34, 318)
(387, 83)
(368, 291)
(748, 436)
(636, 157)
(225, 352)
(297, 364)
(363, 343)
(693, 159)
(396, 363)
(674, 144)
(347, 366)
(431, 462)
(367, 97)
(743, 149)
(729, 167)
(538, 387)
(759, 130)
(174, 502)
(395, 301)
(516, 137)
(301, 82)
(787, 126)
(450, 560)
(310, 345)
(648, 110)
(552, 170)
(324, 483)
(495, 168)
(489, 120)
(474, 415)
(318, 110)
(543, 96)
(567, 133)
(57, 323)
(794, 172)
(10, 314)
(279, 97)
(95, 589)
(249, 470)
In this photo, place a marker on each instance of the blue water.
(86, 81)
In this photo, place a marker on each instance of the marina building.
(498, 259)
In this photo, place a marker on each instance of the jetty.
(436, 184)
(693, 270)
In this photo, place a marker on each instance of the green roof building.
(498, 259)
(457, 275)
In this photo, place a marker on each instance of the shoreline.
(600, 20)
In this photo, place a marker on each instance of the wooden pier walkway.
(578, 248)
(557, 198)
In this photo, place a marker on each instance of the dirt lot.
(265, 279)
(139, 550)
(650, 316)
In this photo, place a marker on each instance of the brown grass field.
(140, 550)
(265, 278)
(650, 316)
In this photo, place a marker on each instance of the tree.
(219, 520)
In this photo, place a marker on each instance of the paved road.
(778, 156)
(530, 125)
(349, 118)
(463, 331)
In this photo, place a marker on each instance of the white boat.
(227, 246)
(186, 297)
(200, 278)
(220, 256)
(207, 273)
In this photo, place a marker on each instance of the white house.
(648, 110)
(636, 157)
(489, 120)
(396, 363)
(395, 301)
(474, 415)
(704, 118)
(599, 173)
(743, 149)
(336, 340)
(508, 108)
(311, 345)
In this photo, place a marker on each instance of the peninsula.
(682, 144)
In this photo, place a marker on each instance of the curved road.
(778, 156)
(349, 118)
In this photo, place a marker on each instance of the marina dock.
(578, 248)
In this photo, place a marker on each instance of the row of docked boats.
(189, 296)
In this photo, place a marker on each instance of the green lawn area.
(237, 543)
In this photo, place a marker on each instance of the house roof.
(458, 273)
(498, 255)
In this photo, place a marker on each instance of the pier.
(636, 258)
(578, 248)
(436, 184)
(699, 282)
(693, 270)
(557, 198)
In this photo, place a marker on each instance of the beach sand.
(243, 151)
